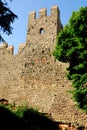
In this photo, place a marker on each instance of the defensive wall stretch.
(33, 76)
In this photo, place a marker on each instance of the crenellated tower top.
(43, 29)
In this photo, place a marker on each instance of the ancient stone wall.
(33, 76)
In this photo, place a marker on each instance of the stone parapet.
(5, 49)
(21, 48)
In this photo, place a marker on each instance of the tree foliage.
(7, 17)
(71, 47)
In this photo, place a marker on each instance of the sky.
(22, 8)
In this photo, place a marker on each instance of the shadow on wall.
(39, 121)
(14, 117)
(9, 121)
(30, 120)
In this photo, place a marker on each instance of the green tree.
(71, 47)
(7, 17)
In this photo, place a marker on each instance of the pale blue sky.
(23, 7)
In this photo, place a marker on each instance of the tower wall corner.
(55, 10)
(32, 15)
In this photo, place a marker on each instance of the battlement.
(10, 50)
(5, 49)
(55, 10)
(21, 47)
(32, 15)
(3, 45)
(43, 12)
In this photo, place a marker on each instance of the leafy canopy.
(7, 17)
(71, 47)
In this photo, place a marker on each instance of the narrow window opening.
(42, 51)
(41, 31)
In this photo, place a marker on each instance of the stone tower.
(44, 29)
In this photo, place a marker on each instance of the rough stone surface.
(33, 76)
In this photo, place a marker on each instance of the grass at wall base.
(14, 117)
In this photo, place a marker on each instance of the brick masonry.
(33, 76)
